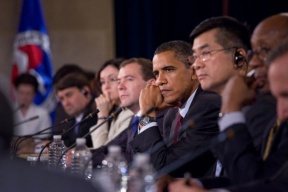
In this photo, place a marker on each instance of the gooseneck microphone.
(218, 139)
(131, 125)
(92, 129)
(20, 139)
(89, 116)
(26, 120)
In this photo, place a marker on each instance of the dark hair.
(71, 68)
(278, 51)
(26, 78)
(182, 50)
(146, 67)
(231, 32)
(72, 80)
(6, 122)
(112, 62)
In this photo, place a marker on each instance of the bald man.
(278, 77)
(242, 161)
(267, 34)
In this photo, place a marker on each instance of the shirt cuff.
(230, 119)
(219, 190)
(147, 127)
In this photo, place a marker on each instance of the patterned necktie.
(177, 128)
(271, 136)
(135, 122)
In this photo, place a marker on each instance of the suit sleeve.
(192, 140)
(241, 160)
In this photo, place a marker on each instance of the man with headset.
(74, 93)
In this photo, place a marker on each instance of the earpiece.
(84, 92)
(238, 59)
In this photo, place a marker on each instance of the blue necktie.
(76, 129)
(135, 123)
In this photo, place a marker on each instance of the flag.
(31, 52)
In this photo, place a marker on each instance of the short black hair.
(72, 80)
(26, 78)
(182, 50)
(145, 64)
(71, 68)
(232, 33)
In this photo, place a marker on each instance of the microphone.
(89, 116)
(112, 116)
(27, 120)
(221, 137)
(19, 141)
(92, 129)
(130, 126)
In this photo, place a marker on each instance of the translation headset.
(239, 59)
(84, 92)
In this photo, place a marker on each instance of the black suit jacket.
(204, 110)
(258, 116)
(122, 140)
(243, 163)
(70, 137)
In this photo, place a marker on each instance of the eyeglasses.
(109, 81)
(206, 55)
(261, 53)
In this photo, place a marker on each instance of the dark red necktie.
(177, 128)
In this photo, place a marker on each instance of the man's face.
(173, 77)
(130, 83)
(73, 101)
(214, 72)
(25, 94)
(263, 39)
(278, 79)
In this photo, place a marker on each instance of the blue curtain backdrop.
(142, 25)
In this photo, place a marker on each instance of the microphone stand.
(129, 126)
(19, 141)
(221, 137)
(27, 120)
(112, 116)
(90, 115)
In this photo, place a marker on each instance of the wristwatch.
(146, 120)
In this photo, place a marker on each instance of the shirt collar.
(79, 118)
(183, 110)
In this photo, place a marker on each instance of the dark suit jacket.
(19, 176)
(258, 116)
(204, 110)
(84, 128)
(122, 140)
(243, 163)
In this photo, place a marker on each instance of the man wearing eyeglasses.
(256, 168)
(221, 73)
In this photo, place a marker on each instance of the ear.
(86, 91)
(240, 61)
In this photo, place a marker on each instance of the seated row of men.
(195, 91)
